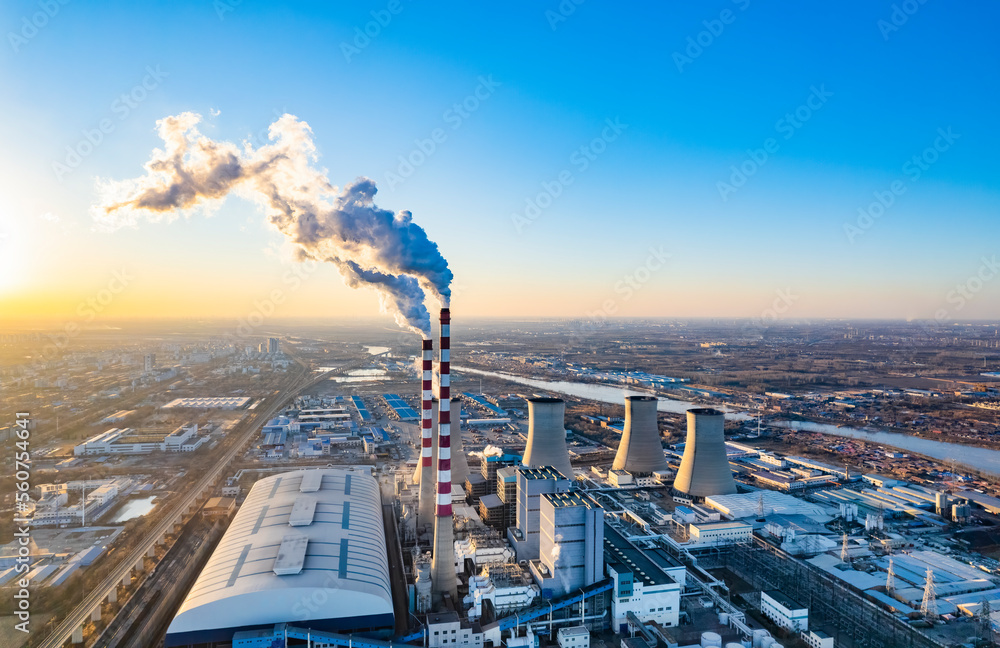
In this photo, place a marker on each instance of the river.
(597, 392)
(979, 458)
(974, 457)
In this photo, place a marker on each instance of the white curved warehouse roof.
(321, 530)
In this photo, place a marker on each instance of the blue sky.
(553, 83)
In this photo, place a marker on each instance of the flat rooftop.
(563, 500)
(783, 599)
(541, 472)
(619, 550)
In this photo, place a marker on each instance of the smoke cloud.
(372, 247)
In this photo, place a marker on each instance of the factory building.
(783, 611)
(499, 509)
(641, 586)
(129, 441)
(571, 546)
(573, 637)
(532, 483)
(212, 402)
(308, 535)
(719, 533)
(445, 629)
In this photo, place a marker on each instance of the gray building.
(532, 483)
(571, 551)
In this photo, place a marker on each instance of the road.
(81, 613)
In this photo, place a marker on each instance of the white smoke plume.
(556, 552)
(488, 451)
(371, 247)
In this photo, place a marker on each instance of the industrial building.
(130, 441)
(216, 402)
(641, 587)
(571, 546)
(309, 535)
(719, 533)
(532, 483)
(783, 611)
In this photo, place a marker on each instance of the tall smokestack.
(443, 579)
(425, 510)
(547, 436)
(640, 450)
(704, 467)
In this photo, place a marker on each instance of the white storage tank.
(711, 640)
(723, 618)
(767, 642)
(733, 644)
(758, 637)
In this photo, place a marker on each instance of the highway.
(81, 613)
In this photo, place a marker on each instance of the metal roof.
(272, 558)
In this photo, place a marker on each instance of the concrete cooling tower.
(547, 435)
(705, 467)
(459, 462)
(640, 450)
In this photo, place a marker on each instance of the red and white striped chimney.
(425, 510)
(443, 580)
(444, 419)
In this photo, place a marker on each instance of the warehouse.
(306, 547)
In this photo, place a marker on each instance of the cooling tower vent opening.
(710, 411)
(642, 398)
(545, 399)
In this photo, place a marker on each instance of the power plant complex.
(525, 545)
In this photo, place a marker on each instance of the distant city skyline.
(730, 160)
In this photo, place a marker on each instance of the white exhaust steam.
(371, 247)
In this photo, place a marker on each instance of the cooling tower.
(705, 467)
(443, 579)
(547, 436)
(640, 450)
(459, 462)
(425, 510)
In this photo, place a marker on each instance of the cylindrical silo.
(705, 467)
(547, 436)
(758, 637)
(711, 640)
(640, 450)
